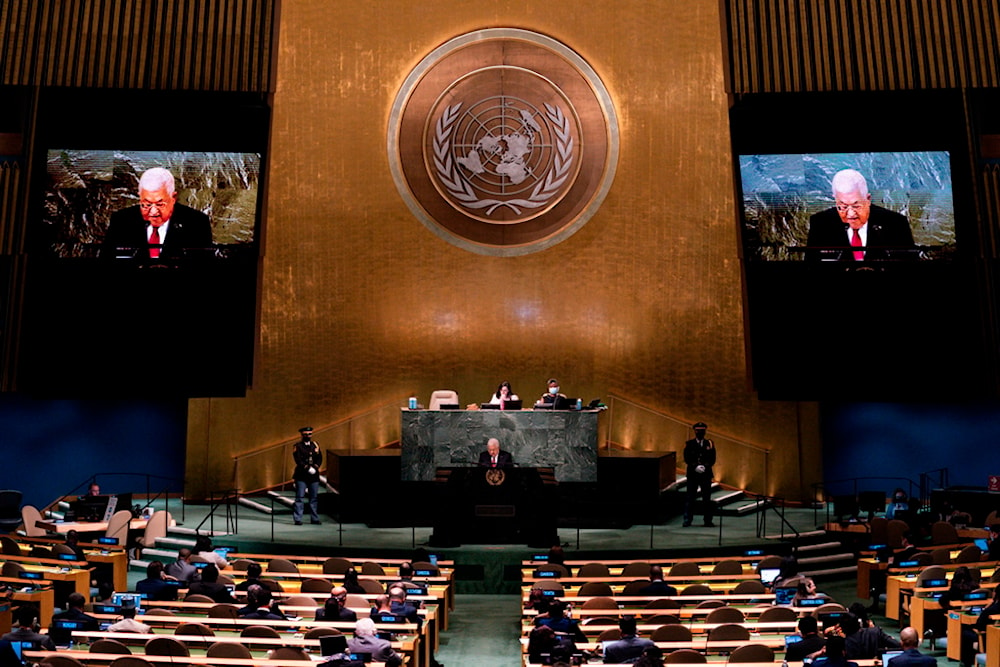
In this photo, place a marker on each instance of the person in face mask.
(553, 393)
(899, 503)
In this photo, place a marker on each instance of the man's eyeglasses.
(844, 208)
(159, 206)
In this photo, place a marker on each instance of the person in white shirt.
(128, 623)
(503, 394)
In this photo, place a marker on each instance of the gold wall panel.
(223, 45)
(361, 303)
(790, 45)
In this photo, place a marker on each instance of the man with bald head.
(494, 457)
(855, 229)
(335, 608)
(156, 227)
(911, 657)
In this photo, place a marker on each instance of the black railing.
(228, 498)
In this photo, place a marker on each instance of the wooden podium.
(496, 506)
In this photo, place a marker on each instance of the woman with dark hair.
(351, 582)
(503, 394)
(203, 549)
(962, 583)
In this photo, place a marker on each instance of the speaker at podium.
(496, 506)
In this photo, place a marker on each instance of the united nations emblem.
(495, 476)
(503, 141)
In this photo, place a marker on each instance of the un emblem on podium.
(495, 476)
(503, 141)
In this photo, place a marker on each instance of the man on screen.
(855, 230)
(158, 226)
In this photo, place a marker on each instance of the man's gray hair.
(846, 181)
(365, 627)
(156, 178)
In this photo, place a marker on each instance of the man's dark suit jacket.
(189, 228)
(658, 588)
(911, 657)
(504, 459)
(889, 236)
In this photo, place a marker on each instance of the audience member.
(157, 585)
(560, 621)
(546, 647)
(629, 647)
(805, 590)
(911, 657)
(863, 643)
(383, 610)
(182, 569)
(335, 608)
(906, 552)
(128, 622)
(993, 552)
(788, 572)
(26, 630)
(556, 555)
(210, 586)
(75, 603)
(899, 503)
(105, 590)
(351, 582)
(203, 549)
(834, 654)
(812, 642)
(365, 641)
(406, 579)
(962, 583)
(970, 635)
(400, 606)
(259, 605)
(254, 570)
(657, 587)
(73, 542)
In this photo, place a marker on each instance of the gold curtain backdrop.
(361, 303)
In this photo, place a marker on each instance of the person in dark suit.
(856, 230)
(812, 641)
(657, 586)
(210, 586)
(699, 455)
(157, 226)
(335, 609)
(26, 628)
(494, 457)
(629, 647)
(75, 603)
(911, 657)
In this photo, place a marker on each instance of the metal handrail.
(319, 433)
(683, 422)
(614, 399)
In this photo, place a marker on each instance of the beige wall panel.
(362, 304)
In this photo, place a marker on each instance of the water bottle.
(579, 404)
(413, 402)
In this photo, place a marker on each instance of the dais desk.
(565, 440)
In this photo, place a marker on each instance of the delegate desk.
(565, 440)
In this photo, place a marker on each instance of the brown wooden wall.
(221, 45)
(831, 45)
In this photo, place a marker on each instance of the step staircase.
(734, 501)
